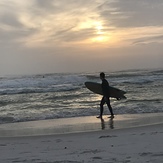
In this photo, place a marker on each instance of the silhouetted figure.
(106, 96)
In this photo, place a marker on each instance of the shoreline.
(78, 125)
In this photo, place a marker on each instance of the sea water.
(53, 96)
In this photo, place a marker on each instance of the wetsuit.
(105, 98)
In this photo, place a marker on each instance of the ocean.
(52, 96)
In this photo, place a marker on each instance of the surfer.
(106, 96)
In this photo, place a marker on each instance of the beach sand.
(125, 139)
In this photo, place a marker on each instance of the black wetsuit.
(105, 98)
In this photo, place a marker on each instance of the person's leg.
(101, 107)
(109, 106)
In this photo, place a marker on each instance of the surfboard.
(114, 92)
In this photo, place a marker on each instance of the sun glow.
(101, 36)
(99, 28)
(102, 39)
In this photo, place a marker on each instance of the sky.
(54, 36)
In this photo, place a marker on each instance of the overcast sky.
(50, 36)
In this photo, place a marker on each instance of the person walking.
(106, 96)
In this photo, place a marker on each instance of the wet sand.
(78, 124)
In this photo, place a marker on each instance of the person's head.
(102, 75)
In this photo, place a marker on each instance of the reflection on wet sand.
(110, 123)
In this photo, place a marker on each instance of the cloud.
(57, 20)
(12, 28)
(10, 19)
(48, 4)
(148, 40)
(46, 22)
(133, 13)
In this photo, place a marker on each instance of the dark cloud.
(148, 40)
(10, 19)
(9, 15)
(45, 6)
(133, 13)
(62, 6)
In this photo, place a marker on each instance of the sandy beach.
(127, 139)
